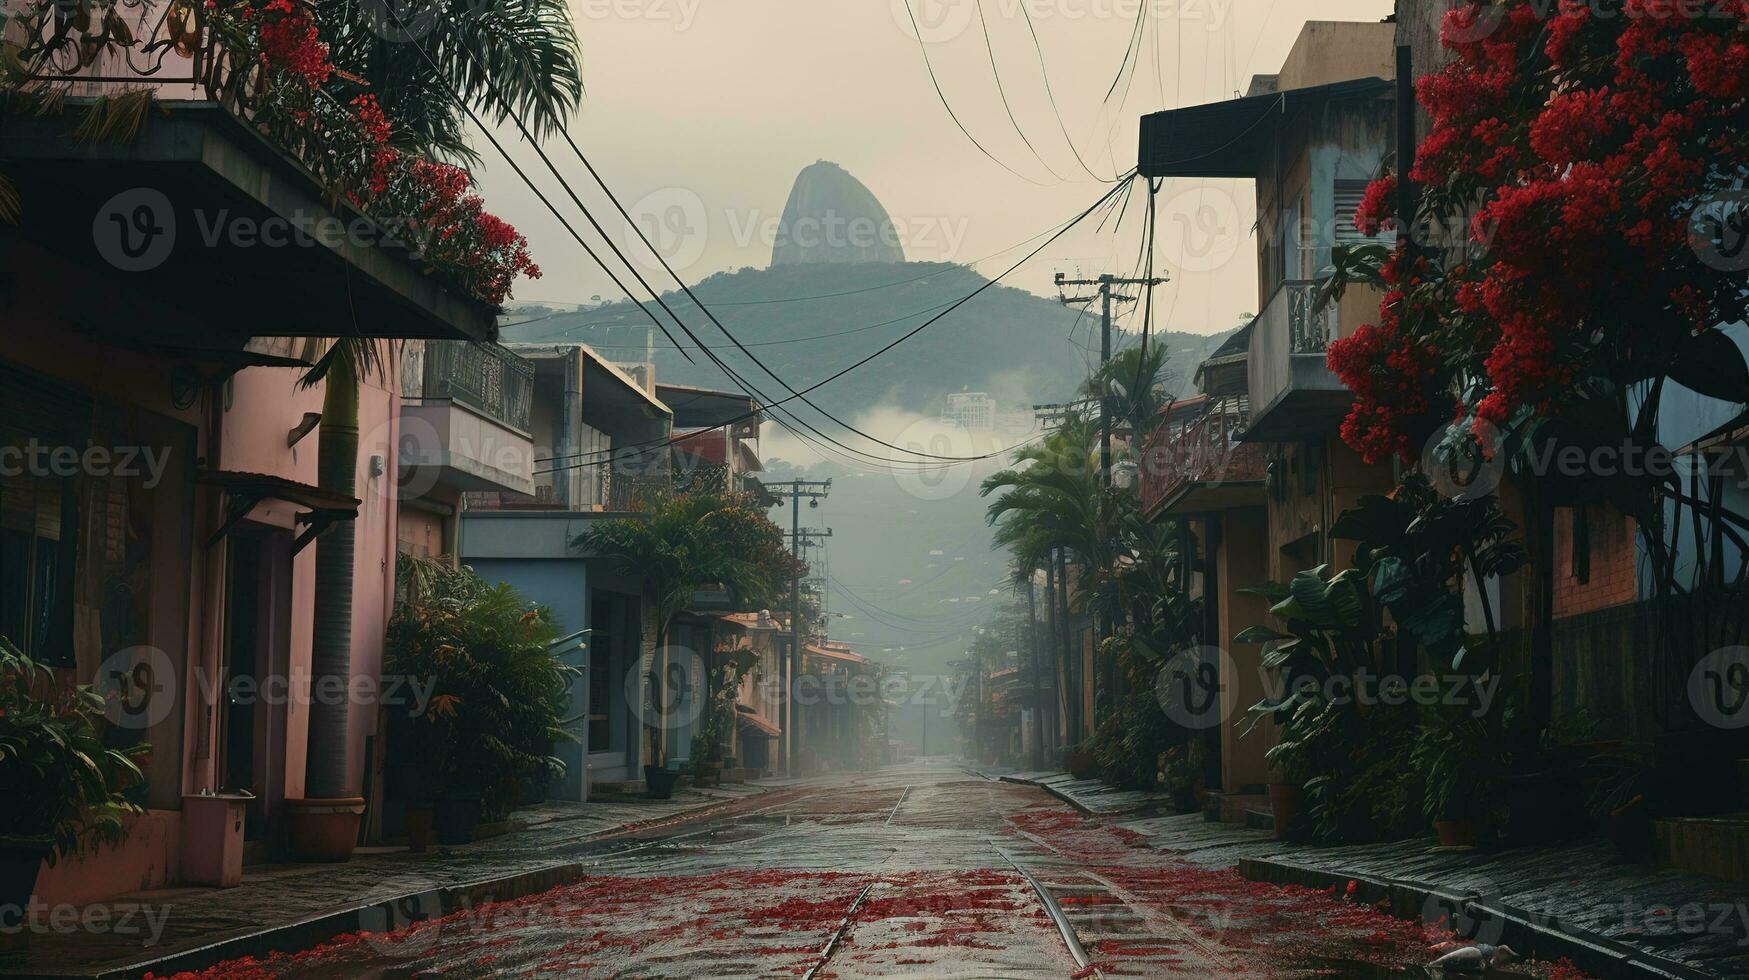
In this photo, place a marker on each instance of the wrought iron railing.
(1204, 450)
(1310, 330)
(484, 377)
(635, 491)
(137, 43)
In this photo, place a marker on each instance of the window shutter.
(1349, 194)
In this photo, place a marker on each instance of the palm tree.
(1131, 571)
(500, 56)
(492, 52)
(325, 775)
(1137, 392)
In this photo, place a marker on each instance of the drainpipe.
(567, 433)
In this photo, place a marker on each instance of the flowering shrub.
(1596, 149)
(281, 66)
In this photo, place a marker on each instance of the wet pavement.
(924, 870)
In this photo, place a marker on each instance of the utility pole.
(795, 490)
(1106, 297)
(1038, 676)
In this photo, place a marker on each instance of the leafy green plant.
(685, 542)
(722, 680)
(1127, 744)
(1460, 763)
(1181, 768)
(59, 780)
(496, 692)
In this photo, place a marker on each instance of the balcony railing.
(1309, 330)
(1206, 450)
(625, 491)
(485, 377)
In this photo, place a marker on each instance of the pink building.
(160, 518)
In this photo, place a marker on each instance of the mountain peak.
(832, 218)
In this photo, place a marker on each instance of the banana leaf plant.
(1416, 547)
(1332, 630)
(61, 783)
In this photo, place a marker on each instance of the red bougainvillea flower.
(1577, 150)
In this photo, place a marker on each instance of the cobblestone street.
(923, 870)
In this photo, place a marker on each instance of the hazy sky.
(700, 115)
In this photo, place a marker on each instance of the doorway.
(255, 673)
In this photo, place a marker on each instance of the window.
(38, 538)
(1348, 197)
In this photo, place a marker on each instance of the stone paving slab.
(1612, 917)
(294, 906)
(1091, 796)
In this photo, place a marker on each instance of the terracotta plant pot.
(419, 822)
(323, 830)
(455, 818)
(1284, 806)
(1455, 833)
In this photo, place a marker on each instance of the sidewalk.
(294, 906)
(1575, 900)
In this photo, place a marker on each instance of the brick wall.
(1613, 581)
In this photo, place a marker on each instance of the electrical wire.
(1002, 91)
(1062, 230)
(1050, 94)
(923, 46)
(749, 388)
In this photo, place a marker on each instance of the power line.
(746, 386)
(1072, 222)
(1002, 91)
(1051, 95)
(923, 46)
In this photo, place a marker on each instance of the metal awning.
(755, 723)
(1227, 139)
(243, 491)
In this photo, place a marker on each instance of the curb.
(1522, 931)
(1525, 932)
(438, 902)
(1074, 804)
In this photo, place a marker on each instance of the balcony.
(196, 194)
(1202, 465)
(1298, 397)
(464, 423)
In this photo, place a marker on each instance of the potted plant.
(496, 694)
(1454, 754)
(1180, 772)
(1288, 770)
(63, 788)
